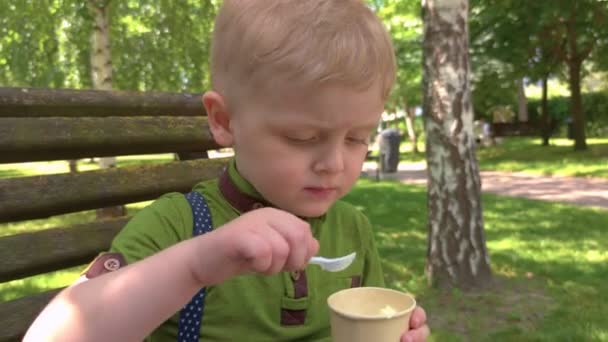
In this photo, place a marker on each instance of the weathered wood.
(17, 315)
(31, 102)
(42, 196)
(49, 250)
(515, 129)
(39, 139)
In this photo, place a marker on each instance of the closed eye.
(302, 140)
(354, 140)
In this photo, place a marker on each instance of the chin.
(312, 211)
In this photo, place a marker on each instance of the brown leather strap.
(239, 200)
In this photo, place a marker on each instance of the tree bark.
(457, 255)
(101, 68)
(522, 113)
(575, 61)
(73, 165)
(410, 117)
(576, 103)
(546, 119)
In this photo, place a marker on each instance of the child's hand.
(417, 331)
(263, 241)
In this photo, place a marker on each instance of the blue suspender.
(191, 315)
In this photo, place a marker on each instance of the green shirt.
(249, 307)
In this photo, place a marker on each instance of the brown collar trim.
(239, 200)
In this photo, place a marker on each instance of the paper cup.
(365, 314)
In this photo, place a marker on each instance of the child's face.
(302, 153)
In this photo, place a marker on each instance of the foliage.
(492, 88)
(595, 108)
(45, 43)
(402, 18)
(538, 38)
(156, 45)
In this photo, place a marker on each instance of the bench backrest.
(515, 129)
(43, 125)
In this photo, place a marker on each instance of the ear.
(218, 118)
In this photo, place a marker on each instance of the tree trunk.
(576, 106)
(457, 255)
(546, 119)
(101, 67)
(522, 113)
(575, 62)
(410, 117)
(73, 164)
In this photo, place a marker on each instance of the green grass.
(549, 261)
(61, 166)
(527, 155)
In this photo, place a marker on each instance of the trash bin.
(390, 139)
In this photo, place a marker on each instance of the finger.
(297, 234)
(417, 335)
(296, 237)
(280, 250)
(313, 248)
(255, 253)
(418, 318)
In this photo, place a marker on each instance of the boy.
(298, 86)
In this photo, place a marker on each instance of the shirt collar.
(238, 191)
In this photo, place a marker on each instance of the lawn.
(61, 166)
(527, 155)
(548, 261)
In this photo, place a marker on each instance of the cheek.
(354, 165)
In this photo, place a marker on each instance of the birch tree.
(457, 254)
(101, 75)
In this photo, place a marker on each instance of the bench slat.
(42, 196)
(32, 102)
(515, 129)
(50, 250)
(40, 139)
(17, 315)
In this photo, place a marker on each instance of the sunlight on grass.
(59, 221)
(18, 288)
(549, 262)
(31, 285)
(527, 155)
(62, 166)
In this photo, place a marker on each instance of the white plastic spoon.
(333, 264)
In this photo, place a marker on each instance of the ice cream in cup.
(369, 314)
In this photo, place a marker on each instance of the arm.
(131, 302)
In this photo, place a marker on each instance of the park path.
(591, 192)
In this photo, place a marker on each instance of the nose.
(330, 160)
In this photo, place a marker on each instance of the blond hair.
(271, 45)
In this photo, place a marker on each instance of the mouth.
(321, 191)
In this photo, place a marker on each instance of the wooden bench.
(515, 129)
(43, 125)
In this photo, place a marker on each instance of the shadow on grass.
(548, 260)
